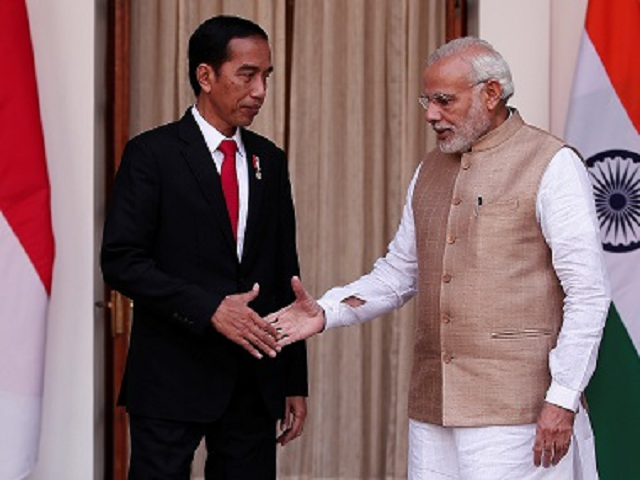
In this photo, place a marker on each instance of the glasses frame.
(444, 100)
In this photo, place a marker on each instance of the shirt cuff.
(563, 397)
(331, 313)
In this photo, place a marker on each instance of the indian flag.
(26, 247)
(604, 125)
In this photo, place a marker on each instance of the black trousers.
(241, 445)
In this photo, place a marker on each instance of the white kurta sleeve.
(566, 211)
(390, 284)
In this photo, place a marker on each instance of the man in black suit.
(204, 243)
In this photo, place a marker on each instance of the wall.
(567, 25)
(64, 40)
(540, 40)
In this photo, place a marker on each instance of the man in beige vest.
(499, 239)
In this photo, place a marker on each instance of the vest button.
(446, 278)
(447, 357)
(451, 239)
(465, 165)
(445, 318)
(456, 201)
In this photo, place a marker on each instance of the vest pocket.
(498, 208)
(521, 333)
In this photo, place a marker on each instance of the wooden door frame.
(456, 19)
(117, 134)
(116, 336)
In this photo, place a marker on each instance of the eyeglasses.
(444, 100)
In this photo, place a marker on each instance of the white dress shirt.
(213, 138)
(566, 212)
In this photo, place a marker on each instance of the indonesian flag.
(26, 246)
(604, 125)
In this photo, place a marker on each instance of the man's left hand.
(293, 422)
(553, 435)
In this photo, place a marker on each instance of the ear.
(206, 76)
(493, 91)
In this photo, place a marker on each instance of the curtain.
(355, 135)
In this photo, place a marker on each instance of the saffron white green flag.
(604, 125)
(26, 247)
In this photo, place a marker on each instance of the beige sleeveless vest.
(489, 301)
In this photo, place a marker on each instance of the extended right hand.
(240, 324)
(300, 320)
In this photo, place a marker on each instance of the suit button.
(446, 318)
(451, 239)
(446, 278)
(456, 200)
(466, 164)
(447, 358)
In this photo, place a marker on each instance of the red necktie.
(229, 180)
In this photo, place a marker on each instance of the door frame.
(118, 307)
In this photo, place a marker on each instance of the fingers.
(253, 334)
(548, 454)
(273, 317)
(285, 327)
(240, 324)
(265, 326)
(293, 422)
(249, 296)
(553, 435)
(538, 448)
(248, 346)
(292, 432)
(284, 422)
(298, 290)
(264, 344)
(559, 452)
(256, 345)
(284, 340)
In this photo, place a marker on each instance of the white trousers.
(495, 453)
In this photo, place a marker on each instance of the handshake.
(240, 324)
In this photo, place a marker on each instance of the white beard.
(465, 135)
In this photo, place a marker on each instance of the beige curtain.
(356, 134)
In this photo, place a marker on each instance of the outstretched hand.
(240, 324)
(300, 320)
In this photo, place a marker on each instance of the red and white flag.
(26, 246)
(604, 125)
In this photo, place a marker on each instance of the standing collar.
(500, 134)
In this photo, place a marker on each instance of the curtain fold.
(356, 133)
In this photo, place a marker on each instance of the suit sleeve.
(128, 244)
(295, 356)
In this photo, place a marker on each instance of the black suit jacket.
(169, 246)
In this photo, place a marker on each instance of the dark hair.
(210, 41)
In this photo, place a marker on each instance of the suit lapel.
(201, 163)
(256, 193)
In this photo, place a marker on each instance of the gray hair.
(486, 63)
